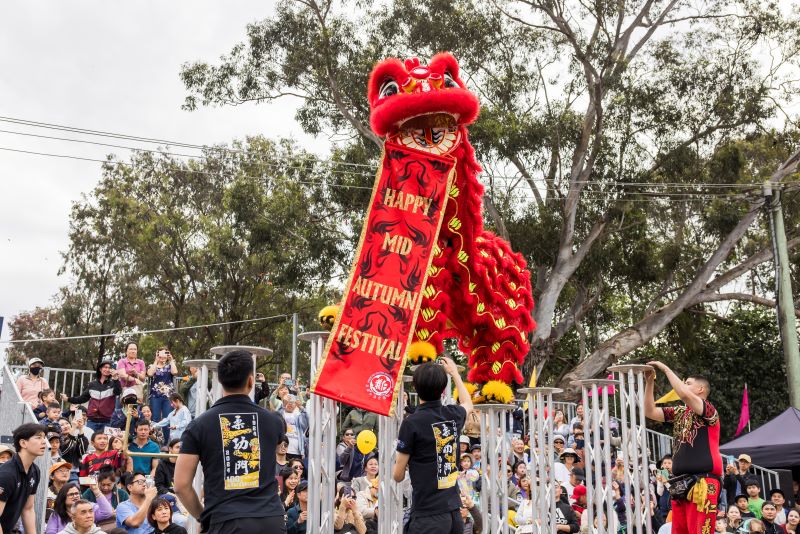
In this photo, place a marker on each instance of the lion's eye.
(449, 81)
(389, 88)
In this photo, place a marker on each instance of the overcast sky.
(109, 66)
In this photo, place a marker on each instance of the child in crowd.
(52, 415)
(46, 398)
(743, 506)
(754, 500)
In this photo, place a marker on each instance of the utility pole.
(294, 346)
(787, 323)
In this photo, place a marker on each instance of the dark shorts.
(447, 523)
(250, 525)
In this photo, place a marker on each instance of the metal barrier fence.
(69, 381)
(17, 412)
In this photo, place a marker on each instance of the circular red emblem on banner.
(380, 385)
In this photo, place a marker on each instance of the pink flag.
(744, 416)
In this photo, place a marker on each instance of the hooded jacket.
(70, 529)
(101, 397)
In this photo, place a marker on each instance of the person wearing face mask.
(31, 383)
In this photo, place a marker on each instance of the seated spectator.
(463, 445)
(31, 383)
(519, 471)
(165, 472)
(754, 500)
(132, 514)
(563, 468)
(59, 476)
(768, 513)
(558, 443)
(348, 440)
(518, 451)
(348, 519)
(575, 439)
(579, 499)
(298, 467)
(281, 460)
(524, 517)
(351, 462)
(367, 500)
(143, 443)
(560, 426)
(370, 473)
(116, 443)
(54, 439)
(101, 458)
(471, 516)
(777, 498)
(107, 483)
(74, 444)
(744, 507)
(82, 515)
(70, 494)
(160, 518)
(755, 525)
(566, 520)
(288, 491)
(476, 451)
(792, 525)
(156, 433)
(51, 415)
(6, 453)
(578, 419)
(178, 419)
(734, 517)
(46, 398)
(297, 516)
(296, 426)
(101, 393)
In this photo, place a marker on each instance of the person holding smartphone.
(348, 519)
(162, 373)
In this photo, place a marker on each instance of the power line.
(142, 332)
(84, 131)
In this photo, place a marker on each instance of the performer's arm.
(651, 411)
(464, 398)
(694, 402)
(185, 469)
(400, 464)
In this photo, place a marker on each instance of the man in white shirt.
(296, 425)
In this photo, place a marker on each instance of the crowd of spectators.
(93, 477)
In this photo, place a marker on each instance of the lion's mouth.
(430, 120)
(435, 133)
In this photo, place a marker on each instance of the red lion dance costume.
(478, 289)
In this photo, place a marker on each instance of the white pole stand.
(634, 446)
(495, 420)
(257, 352)
(541, 463)
(322, 447)
(390, 493)
(597, 453)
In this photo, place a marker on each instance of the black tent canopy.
(774, 444)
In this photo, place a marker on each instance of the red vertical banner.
(366, 351)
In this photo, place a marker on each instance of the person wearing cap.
(240, 496)
(695, 447)
(476, 453)
(577, 477)
(579, 499)
(778, 498)
(6, 453)
(563, 467)
(101, 393)
(59, 474)
(54, 439)
(742, 504)
(297, 516)
(32, 383)
(463, 445)
(558, 447)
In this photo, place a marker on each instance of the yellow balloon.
(366, 441)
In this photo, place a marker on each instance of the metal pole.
(294, 345)
(322, 448)
(541, 462)
(597, 454)
(634, 446)
(494, 489)
(787, 324)
(390, 495)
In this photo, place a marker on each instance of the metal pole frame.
(634, 446)
(597, 453)
(390, 493)
(541, 462)
(494, 420)
(322, 447)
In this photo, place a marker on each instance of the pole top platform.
(257, 351)
(487, 407)
(599, 382)
(211, 364)
(540, 390)
(624, 368)
(313, 336)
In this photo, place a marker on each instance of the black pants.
(250, 525)
(446, 523)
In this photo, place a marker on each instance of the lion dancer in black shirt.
(695, 449)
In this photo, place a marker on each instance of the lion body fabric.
(478, 289)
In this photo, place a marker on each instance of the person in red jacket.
(695, 449)
(101, 394)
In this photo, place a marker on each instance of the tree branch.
(744, 297)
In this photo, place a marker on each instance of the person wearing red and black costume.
(695, 450)
(102, 457)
